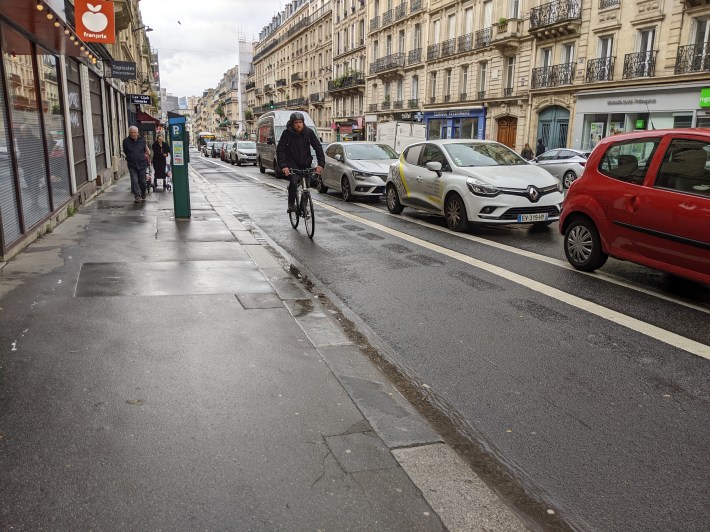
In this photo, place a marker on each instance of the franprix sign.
(705, 97)
(95, 21)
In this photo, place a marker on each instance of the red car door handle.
(635, 203)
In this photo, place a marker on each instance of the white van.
(269, 129)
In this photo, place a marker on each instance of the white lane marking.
(652, 331)
(549, 260)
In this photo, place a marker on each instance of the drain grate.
(112, 206)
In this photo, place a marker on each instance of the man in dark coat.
(540, 149)
(294, 152)
(135, 150)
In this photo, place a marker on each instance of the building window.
(432, 86)
(464, 79)
(97, 121)
(509, 74)
(447, 84)
(415, 87)
(482, 73)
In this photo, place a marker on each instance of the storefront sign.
(140, 99)
(705, 97)
(453, 113)
(123, 70)
(95, 21)
(346, 128)
(370, 119)
(632, 101)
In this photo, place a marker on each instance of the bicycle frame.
(304, 203)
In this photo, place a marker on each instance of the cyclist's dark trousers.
(292, 186)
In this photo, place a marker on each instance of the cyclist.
(294, 152)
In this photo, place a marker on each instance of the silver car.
(563, 163)
(242, 152)
(356, 168)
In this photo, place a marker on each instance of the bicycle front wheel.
(294, 215)
(308, 216)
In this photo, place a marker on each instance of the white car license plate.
(532, 217)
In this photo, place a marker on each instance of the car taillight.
(582, 163)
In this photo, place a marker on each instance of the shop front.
(469, 123)
(600, 114)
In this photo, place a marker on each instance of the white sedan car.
(478, 181)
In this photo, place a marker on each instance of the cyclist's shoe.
(291, 208)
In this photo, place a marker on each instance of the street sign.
(95, 20)
(140, 99)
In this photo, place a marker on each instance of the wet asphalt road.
(605, 418)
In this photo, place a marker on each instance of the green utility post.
(180, 158)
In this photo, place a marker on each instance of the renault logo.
(533, 194)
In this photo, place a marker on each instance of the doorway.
(553, 124)
(507, 131)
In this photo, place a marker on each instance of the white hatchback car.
(478, 181)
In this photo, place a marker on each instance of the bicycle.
(304, 203)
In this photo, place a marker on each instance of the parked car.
(563, 163)
(356, 168)
(223, 150)
(242, 152)
(477, 181)
(206, 148)
(656, 214)
(215, 149)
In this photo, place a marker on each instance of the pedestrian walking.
(135, 150)
(540, 148)
(161, 152)
(527, 152)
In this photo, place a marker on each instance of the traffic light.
(271, 104)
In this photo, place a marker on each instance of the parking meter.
(180, 157)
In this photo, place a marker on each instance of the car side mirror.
(270, 140)
(434, 166)
(338, 157)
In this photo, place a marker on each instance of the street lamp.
(147, 28)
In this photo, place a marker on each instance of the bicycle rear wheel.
(309, 218)
(295, 216)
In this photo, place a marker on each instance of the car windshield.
(465, 154)
(246, 145)
(369, 152)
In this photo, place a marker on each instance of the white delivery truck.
(399, 135)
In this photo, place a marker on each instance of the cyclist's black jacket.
(293, 150)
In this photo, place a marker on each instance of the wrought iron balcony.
(400, 11)
(447, 98)
(448, 47)
(432, 52)
(397, 104)
(463, 96)
(553, 19)
(466, 42)
(281, 82)
(250, 85)
(296, 78)
(297, 102)
(432, 99)
(413, 103)
(416, 6)
(346, 83)
(600, 70)
(692, 58)
(415, 56)
(268, 88)
(374, 23)
(316, 98)
(386, 105)
(390, 62)
(507, 92)
(481, 95)
(483, 38)
(387, 17)
(280, 105)
(372, 107)
(640, 65)
(552, 76)
(604, 4)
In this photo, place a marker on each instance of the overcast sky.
(197, 51)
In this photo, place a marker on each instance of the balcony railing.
(281, 82)
(640, 65)
(397, 104)
(389, 62)
(448, 47)
(552, 76)
(345, 83)
(692, 58)
(374, 23)
(603, 4)
(481, 95)
(413, 103)
(268, 88)
(387, 17)
(432, 99)
(372, 107)
(250, 85)
(432, 52)
(416, 6)
(463, 96)
(483, 38)
(400, 11)
(466, 42)
(507, 92)
(600, 70)
(554, 12)
(447, 98)
(316, 97)
(297, 102)
(295, 78)
(415, 56)
(386, 105)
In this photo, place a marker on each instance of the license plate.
(532, 217)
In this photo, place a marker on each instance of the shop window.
(9, 207)
(97, 121)
(29, 146)
(76, 121)
(54, 130)
(435, 129)
(469, 128)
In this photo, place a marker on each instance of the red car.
(643, 197)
